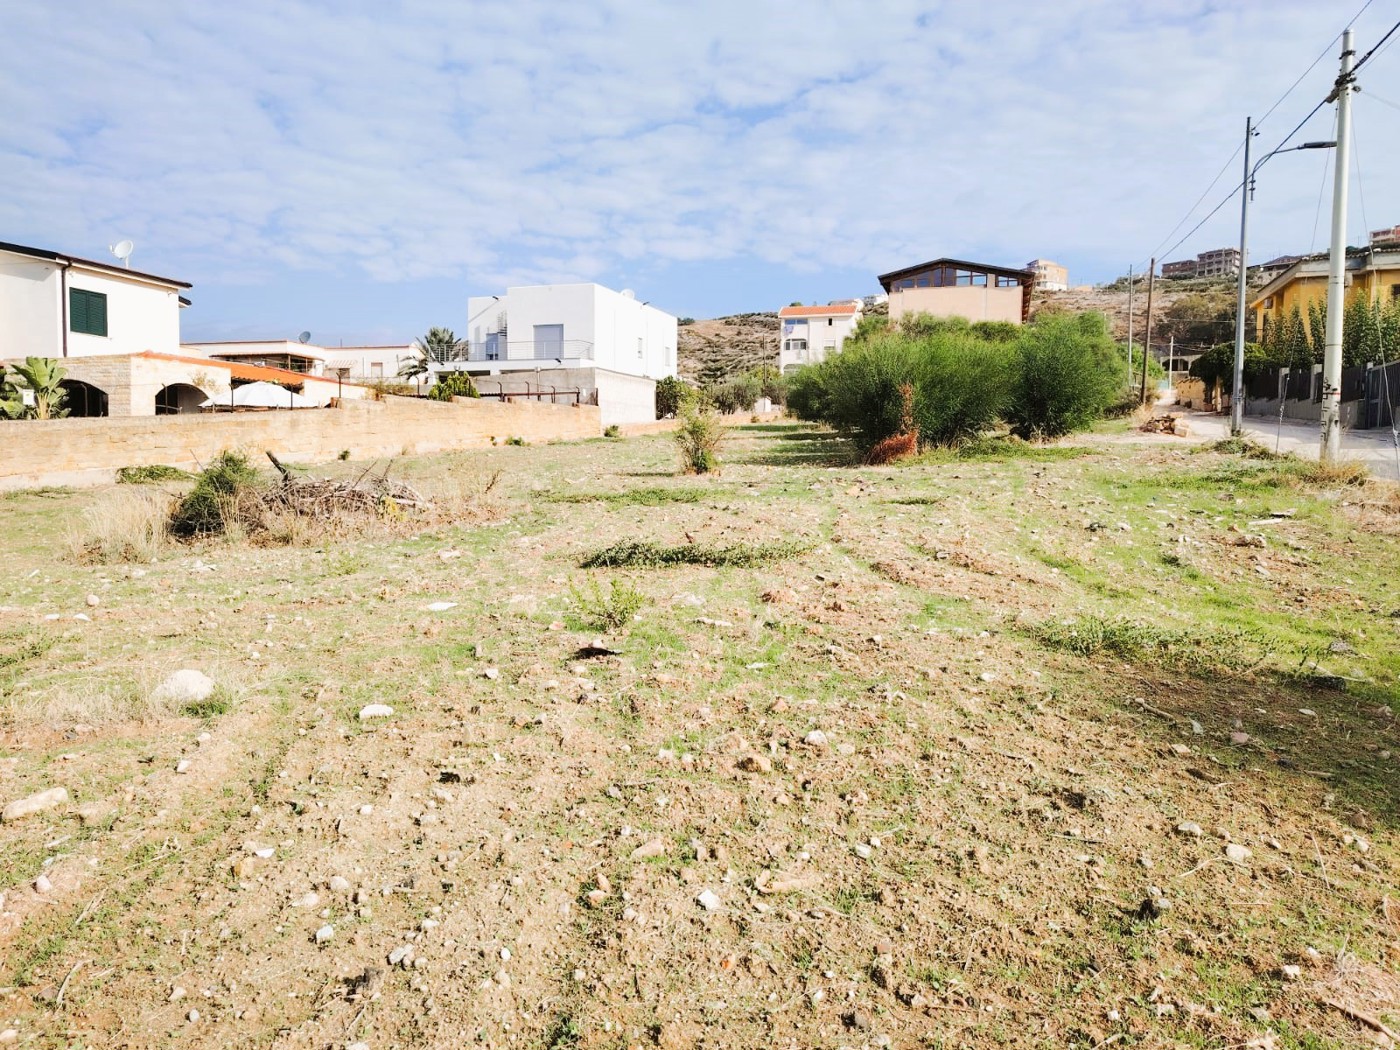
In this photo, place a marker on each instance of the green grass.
(640, 497)
(1201, 650)
(640, 554)
(150, 474)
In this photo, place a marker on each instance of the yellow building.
(1372, 273)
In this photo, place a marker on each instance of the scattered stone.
(185, 686)
(27, 807)
(183, 766)
(816, 738)
(338, 884)
(502, 978)
(402, 956)
(42, 884)
(595, 898)
(603, 883)
(1238, 737)
(8, 1036)
(1144, 861)
(708, 900)
(1181, 749)
(176, 994)
(652, 848)
(93, 601)
(193, 1016)
(862, 851)
(1237, 853)
(375, 711)
(358, 1046)
(491, 673)
(441, 606)
(324, 934)
(1155, 906)
(1190, 827)
(858, 1019)
(756, 764)
(1291, 972)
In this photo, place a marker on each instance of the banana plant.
(43, 377)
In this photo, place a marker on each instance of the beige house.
(958, 288)
(1049, 276)
(810, 334)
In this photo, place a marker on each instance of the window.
(376, 370)
(795, 346)
(980, 280)
(830, 322)
(908, 282)
(1008, 282)
(87, 312)
(1395, 291)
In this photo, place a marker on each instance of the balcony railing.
(527, 350)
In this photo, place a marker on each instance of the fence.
(1382, 394)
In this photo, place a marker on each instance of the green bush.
(153, 472)
(699, 438)
(1066, 374)
(736, 394)
(959, 387)
(672, 395)
(453, 384)
(807, 396)
(600, 611)
(612, 430)
(210, 505)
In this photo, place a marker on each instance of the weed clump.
(212, 504)
(130, 526)
(1242, 446)
(643, 497)
(699, 438)
(150, 474)
(609, 611)
(638, 554)
(1219, 649)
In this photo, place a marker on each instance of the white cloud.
(537, 140)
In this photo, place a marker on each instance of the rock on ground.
(184, 687)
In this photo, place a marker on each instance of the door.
(549, 341)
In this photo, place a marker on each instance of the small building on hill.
(959, 288)
(1049, 276)
(811, 333)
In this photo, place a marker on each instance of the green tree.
(11, 400)
(1199, 318)
(43, 378)
(672, 395)
(1066, 374)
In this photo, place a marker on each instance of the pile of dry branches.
(369, 493)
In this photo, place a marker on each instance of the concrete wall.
(621, 398)
(89, 451)
(141, 314)
(976, 304)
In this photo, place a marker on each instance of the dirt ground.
(1068, 747)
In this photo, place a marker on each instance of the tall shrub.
(960, 386)
(1065, 375)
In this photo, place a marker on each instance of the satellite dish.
(122, 250)
(305, 337)
(627, 293)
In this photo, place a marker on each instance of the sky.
(357, 170)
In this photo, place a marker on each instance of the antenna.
(122, 250)
(305, 337)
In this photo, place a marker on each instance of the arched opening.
(179, 398)
(83, 399)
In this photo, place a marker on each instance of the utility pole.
(1130, 327)
(1336, 269)
(1237, 389)
(1147, 336)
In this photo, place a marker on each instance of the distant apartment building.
(1385, 238)
(812, 333)
(958, 288)
(1049, 276)
(1220, 262)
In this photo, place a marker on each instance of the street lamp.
(1237, 389)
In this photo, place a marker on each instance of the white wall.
(361, 360)
(141, 315)
(615, 325)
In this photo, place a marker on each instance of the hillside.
(726, 346)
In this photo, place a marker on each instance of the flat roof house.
(811, 333)
(959, 288)
(537, 340)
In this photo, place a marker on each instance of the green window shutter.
(87, 312)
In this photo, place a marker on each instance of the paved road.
(1375, 448)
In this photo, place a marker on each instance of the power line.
(1379, 44)
(1158, 253)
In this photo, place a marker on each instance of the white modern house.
(569, 341)
(811, 333)
(370, 362)
(57, 305)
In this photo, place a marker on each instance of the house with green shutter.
(57, 305)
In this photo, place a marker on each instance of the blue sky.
(359, 169)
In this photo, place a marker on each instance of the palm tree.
(44, 378)
(440, 344)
